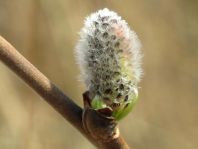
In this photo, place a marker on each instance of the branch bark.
(55, 97)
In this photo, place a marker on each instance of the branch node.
(99, 124)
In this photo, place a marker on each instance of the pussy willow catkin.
(109, 57)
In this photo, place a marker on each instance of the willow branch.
(50, 93)
(40, 83)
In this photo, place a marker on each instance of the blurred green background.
(46, 31)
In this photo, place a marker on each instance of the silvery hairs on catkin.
(109, 57)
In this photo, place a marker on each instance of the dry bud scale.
(109, 57)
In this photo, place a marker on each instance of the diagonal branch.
(40, 83)
(50, 93)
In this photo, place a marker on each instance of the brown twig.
(55, 97)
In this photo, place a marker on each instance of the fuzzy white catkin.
(109, 57)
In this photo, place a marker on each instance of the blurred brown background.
(46, 31)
